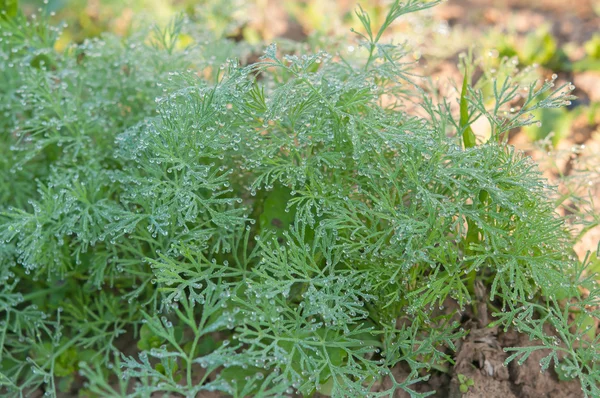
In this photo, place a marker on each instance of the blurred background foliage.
(445, 30)
(251, 20)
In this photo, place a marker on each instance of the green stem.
(38, 293)
(189, 360)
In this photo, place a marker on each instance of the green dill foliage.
(174, 221)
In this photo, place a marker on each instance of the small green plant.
(592, 47)
(591, 61)
(464, 383)
(541, 47)
(175, 222)
(538, 47)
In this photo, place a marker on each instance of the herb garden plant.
(175, 220)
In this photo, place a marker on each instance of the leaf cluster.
(262, 229)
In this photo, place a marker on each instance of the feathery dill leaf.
(263, 229)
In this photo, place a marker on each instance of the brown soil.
(480, 356)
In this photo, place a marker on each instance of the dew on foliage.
(179, 162)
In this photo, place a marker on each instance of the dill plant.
(266, 229)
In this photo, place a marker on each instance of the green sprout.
(464, 383)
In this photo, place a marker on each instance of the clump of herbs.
(287, 226)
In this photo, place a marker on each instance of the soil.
(480, 356)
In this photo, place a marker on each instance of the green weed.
(173, 221)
